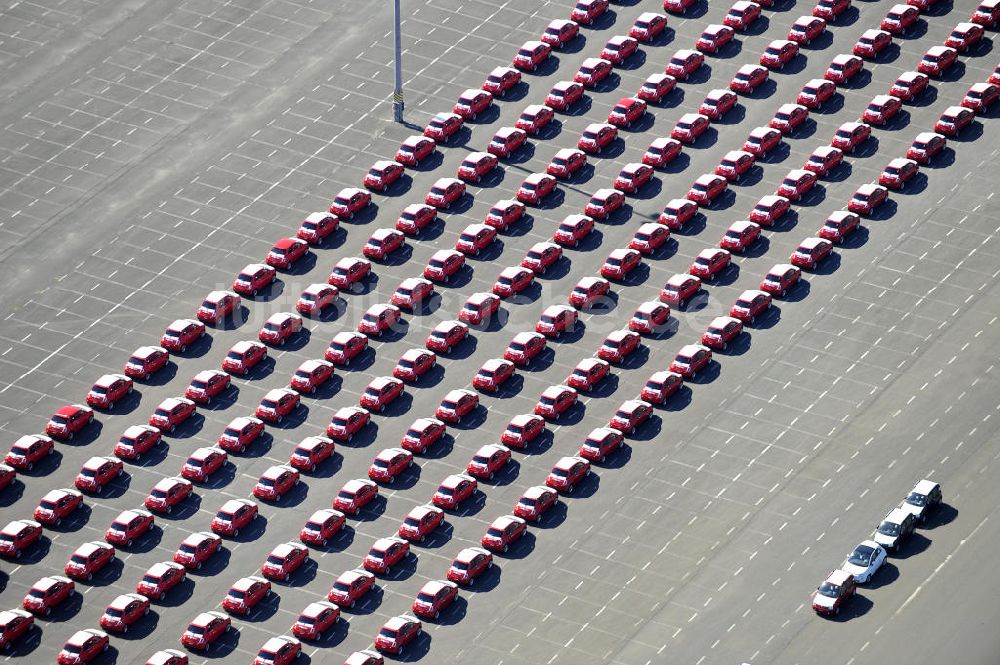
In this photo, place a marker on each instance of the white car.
(865, 561)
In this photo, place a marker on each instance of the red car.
(254, 278)
(423, 433)
(587, 374)
(109, 389)
(619, 345)
(691, 359)
(627, 111)
(443, 265)
(275, 482)
(218, 305)
(477, 165)
(750, 305)
(780, 278)
(284, 253)
(245, 594)
(18, 536)
(709, 263)
(415, 149)
(444, 192)
(659, 387)
(513, 280)
(839, 225)
(398, 632)
(421, 522)
(633, 177)
(567, 473)
(532, 54)
(769, 209)
(734, 164)
(345, 346)
(455, 489)
(566, 162)
(160, 578)
(900, 18)
(203, 462)
(742, 14)
(649, 237)
(677, 212)
(810, 252)
(649, 317)
(778, 53)
(129, 525)
(240, 433)
(953, 120)
(350, 586)
(806, 28)
(965, 36)
(182, 333)
(560, 31)
(381, 392)
(656, 87)
(721, 331)
(823, 160)
(833, 593)
(603, 203)
(541, 257)
(555, 320)
(717, 103)
(690, 127)
(315, 620)
(850, 135)
(739, 236)
(146, 360)
(871, 43)
(434, 597)
(592, 71)
(898, 172)
(488, 460)
(788, 117)
(522, 430)
(443, 126)
(389, 463)
(413, 293)
(494, 373)
(29, 450)
(472, 102)
(469, 564)
(586, 11)
(378, 319)
(630, 415)
(596, 136)
(310, 375)
(535, 188)
(167, 494)
(678, 6)
(600, 443)
(620, 263)
(206, 628)
(278, 651)
(7, 476)
(830, 9)
(284, 560)
(384, 242)
(279, 327)
(554, 401)
(707, 188)
(679, 289)
(172, 412)
(321, 526)
(315, 298)
(535, 502)
(648, 26)
(796, 184)
(815, 92)
(563, 95)
(748, 78)
(243, 357)
(661, 152)
(385, 553)
(56, 505)
(881, 110)
(13, 624)
(504, 213)
(981, 96)
(446, 335)
(925, 147)
(48, 593)
(714, 37)
(867, 198)
(89, 558)
(413, 364)
(843, 68)
(235, 514)
(533, 118)
(311, 451)
(196, 549)
(347, 422)
(500, 80)
(97, 472)
(586, 292)
(457, 404)
(937, 60)
(507, 141)
(83, 646)
(317, 226)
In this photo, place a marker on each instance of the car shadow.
(373, 510)
(553, 518)
(486, 582)
(945, 514)
(179, 595)
(884, 576)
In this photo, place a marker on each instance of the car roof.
(275, 471)
(232, 505)
(897, 515)
(555, 391)
(278, 393)
(493, 364)
(240, 422)
(839, 577)
(198, 537)
(95, 462)
(689, 350)
(204, 619)
(284, 549)
(348, 411)
(161, 567)
(468, 554)
(108, 379)
(356, 484)
(536, 491)
(245, 583)
(244, 345)
(454, 480)
(426, 422)
(924, 486)
(502, 521)
(122, 601)
(680, 279)
(202, 453)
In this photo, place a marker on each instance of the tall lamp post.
(397, 93)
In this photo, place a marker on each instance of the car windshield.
(387, 633)
(78, 558)
(460, 565)
(187, 549)
(547, 401)
(887, 528)
(702, 261)
(112, 612)
(682, 360)
(274, 250)
(698, 187)
(480, 459)
(276, 560)
(445, 491)
(343, 494)
(836, 66)
(150, 579)
(47, 505)
(530, 187)
(266, 482)
(236, 593)
(861, 556)
(590, 135)
(781, 115)
(829, 590)
(915, 499)
(71, 648)
(526, 501)
(192, 461)
(232, 355)
(87, 473)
